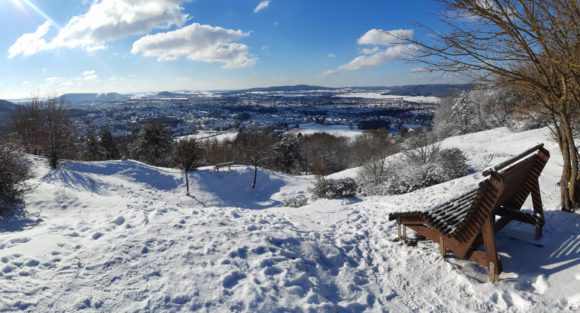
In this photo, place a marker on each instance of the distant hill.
(292, 88)
(6, 110)
(169, 94)
(437, 90)
(87, 97)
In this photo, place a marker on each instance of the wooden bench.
(226, 164)
(463, 224)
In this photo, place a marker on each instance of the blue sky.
(58, 46)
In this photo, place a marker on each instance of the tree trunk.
(186, 181)
(572, 166)
(255, 175)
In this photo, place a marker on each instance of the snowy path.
(153, 249)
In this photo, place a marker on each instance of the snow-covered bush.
(334, 188)
(454, 162)
(13, 173)
(296, 201)
(410, 172)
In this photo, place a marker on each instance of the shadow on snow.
(137, 172)
(15, 218)
(234, 188)
(557, 250)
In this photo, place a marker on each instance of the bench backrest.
(509, 187)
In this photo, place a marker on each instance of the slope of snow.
(122, 236)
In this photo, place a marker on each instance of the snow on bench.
(462, 224)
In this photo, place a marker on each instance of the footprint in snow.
(271, 271)
(119, 221)
(232, 279)
(19, 240)
(8, 268)
(32, 263)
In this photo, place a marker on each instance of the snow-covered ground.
(213, 135)
(122, 237)
(335, 130)
(380, 95)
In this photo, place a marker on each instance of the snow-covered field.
(213, 135)
(379, 95)
(335, 130)
(121, 236)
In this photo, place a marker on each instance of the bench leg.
(494, 265)
(493, 273)
(538, 208)
(442, 249)
(402, 231)
(538, 232)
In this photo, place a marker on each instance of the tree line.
(43, 127)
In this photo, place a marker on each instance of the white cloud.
(197, 42)
(261, 6)
(369, 60)
(385, 37)
(90, 75)
(105, 20)
(30, 43)
(386, 46)
(331, 55)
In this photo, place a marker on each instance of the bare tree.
(324, 153)
(58, 131)
(371, 146)
(27, 121)
(530, 45)
(255, 148)
(186, 155)
(44, 127)
(423, 148)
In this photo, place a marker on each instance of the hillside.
(6, 110)
(121, 236)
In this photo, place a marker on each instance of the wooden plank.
(512, 160)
